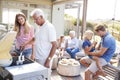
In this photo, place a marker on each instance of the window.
(8, 15)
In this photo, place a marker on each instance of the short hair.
(38, 12)
(100, 27)
(72, 32)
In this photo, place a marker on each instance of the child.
(61, 46)
(88, 46)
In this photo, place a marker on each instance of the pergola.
(28, 5)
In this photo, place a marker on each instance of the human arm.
(98, 53)
(107, 43)
(87, 46)
(87, 49)
(99, 46)
(30, 37)
(31, 41)
(33, 54)
(52, 52)
(66, 44)
(52, 39)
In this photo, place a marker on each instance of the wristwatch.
(49, 58)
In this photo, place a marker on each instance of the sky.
(100, 9)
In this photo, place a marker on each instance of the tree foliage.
(112, 25)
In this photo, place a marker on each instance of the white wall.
(58, 18)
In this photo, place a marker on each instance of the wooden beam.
(64, 1)
(45, 2)
(0, 11)
(84, 17)
(26, 5)
(71, 5)
(78, 21)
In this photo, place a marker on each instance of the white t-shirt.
(44, 35)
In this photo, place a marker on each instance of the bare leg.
(100, 71)
(95, 76)
(83, 62)
(97, 62)
(88, 75)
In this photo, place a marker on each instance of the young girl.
(88, 46)
(61, 45)
(24, 35)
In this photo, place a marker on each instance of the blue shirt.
(108, 42)
(87, 43)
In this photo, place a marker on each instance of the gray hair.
(72, 32)
(38, 12)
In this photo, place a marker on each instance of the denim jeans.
(27, 52)
(72, 52)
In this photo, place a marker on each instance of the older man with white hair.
(72, 44)
(45, 39)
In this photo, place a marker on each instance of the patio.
(56, 76)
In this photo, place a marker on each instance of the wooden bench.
(113, 73)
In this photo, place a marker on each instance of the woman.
(24, 35)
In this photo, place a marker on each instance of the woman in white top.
(45, 39)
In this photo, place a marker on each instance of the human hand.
(87, 52)
(47, 63)
(94, 43)
(32, 57)
(22, 48)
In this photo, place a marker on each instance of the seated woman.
(72, 45)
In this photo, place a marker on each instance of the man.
(45, 39)
(72, 45)
(108, 46)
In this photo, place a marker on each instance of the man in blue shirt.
(107, 49)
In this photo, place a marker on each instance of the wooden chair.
(113, 73)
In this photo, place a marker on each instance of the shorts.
(93, 67)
